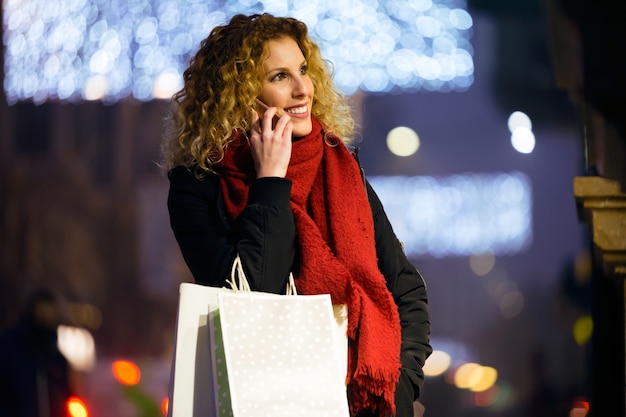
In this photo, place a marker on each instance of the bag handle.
(238, 281)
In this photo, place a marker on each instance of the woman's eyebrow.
(284, 69)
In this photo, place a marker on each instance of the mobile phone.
(261, 107)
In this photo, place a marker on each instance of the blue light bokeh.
(74, 50)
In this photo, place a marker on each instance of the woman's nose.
(302, 86)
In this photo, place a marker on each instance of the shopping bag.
(191, 383)
(199, 380)
(194, 382)
(282, 355)
(221, 388)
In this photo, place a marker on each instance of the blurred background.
(493, 132)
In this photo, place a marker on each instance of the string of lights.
(459, 215)
(75, 50)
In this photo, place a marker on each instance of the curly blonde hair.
(225, 77)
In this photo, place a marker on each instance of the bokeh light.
(476, 378)
(437, 363)
(579, 409)
(459, 214)
(487, 397)
(583, 267)
(93, 50)
(507, 396)
(523, 140)
(511, 304)
(403, 141)
(78, 347)
(126, 372)
(583, 329)
(165, 404)
(467, 375)
(519, 119)
(77, 407)
(505, 293)
(85, 315)
(482, 262)
(521, 128)
(485, 377)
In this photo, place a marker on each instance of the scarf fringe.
(373, 391)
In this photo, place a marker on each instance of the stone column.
(602, 205)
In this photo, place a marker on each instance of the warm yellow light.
(583, 329)
(465, 376)
(486, 376)
(403, 141)
(77, 408)
(437, 363)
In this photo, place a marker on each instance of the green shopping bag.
(220, 372)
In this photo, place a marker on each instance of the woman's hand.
(271, 145)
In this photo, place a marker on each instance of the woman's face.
(286, 83)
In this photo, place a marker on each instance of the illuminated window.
(95, 50)
(458, 215)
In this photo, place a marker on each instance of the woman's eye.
(279, 76)
(304, 69)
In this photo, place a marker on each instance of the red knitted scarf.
(336, 256)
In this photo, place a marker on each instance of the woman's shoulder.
(191, 173)
(191, 179)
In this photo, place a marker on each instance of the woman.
(258, 166)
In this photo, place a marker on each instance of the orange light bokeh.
(126, 372)
(165, 405)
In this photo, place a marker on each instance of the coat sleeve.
(409, 292)
(263, 235)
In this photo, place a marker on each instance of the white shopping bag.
(193, 381)
(191, 391)
(198, 373)
(282, 355)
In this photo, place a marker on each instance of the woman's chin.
(301, 129)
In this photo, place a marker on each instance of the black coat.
(264, 237)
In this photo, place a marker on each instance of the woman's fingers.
(255, 121)
(271, 144)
